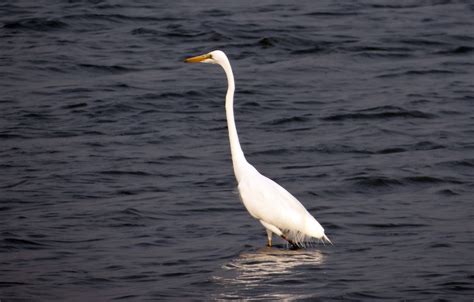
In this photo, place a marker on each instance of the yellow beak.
(198, 58)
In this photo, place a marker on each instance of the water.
(116, 178)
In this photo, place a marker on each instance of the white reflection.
(260, 274)
(265, 263)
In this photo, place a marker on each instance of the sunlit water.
(116, 180)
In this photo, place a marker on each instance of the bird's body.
(278, 211)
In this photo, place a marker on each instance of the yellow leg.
(269, 237)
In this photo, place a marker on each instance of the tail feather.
(326, 239)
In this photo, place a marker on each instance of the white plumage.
(278, 211)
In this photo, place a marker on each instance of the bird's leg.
(269, 237)
(294, 246)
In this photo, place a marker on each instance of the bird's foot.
(293, 245)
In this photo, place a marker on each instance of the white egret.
(276, 209)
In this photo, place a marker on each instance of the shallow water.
(116, 178)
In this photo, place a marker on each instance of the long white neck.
(238, 158)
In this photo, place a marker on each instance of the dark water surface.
(116, 181)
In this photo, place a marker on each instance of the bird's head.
(214, 57)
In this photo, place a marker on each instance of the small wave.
(37, 115)
(176, 157)
(113, 69)
(422, 42)
(126, 225)
(191, 94)
(13, 185)
(143, 31)
(458, 286)
(370, 181)
(289, 120)
(383, 52)
(116, 18)
(64, 241)
(128, 192)
(420, 146)
(447, 192)
(428, 71)
(214, 12)
(267, 42)
(329, 225)
(386, 182)
(310, 50)
(339, 13)
(298, 167)
(6, 135)
(396, 6)
(304, 46)
(415, 73)
(250, 104)
(133, 212)
(162, 242)
(293, 44)
(334, 149)
(216, 210)
(394, 225)
(459, 50)
(426, 145)
(367, 295)
(75, 105)
(380, 115)
(463, 163)
(122, 172)
(391, 150)
(175, 274)
(23, 243)
(36, 24)
(440, 245)
(127, 297)
(430, 180)
(276, 151)
(11, 283)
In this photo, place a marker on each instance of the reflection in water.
(265, 273)
(253, 267)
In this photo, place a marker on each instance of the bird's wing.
(268, 201)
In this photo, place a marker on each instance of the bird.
(278, 210)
